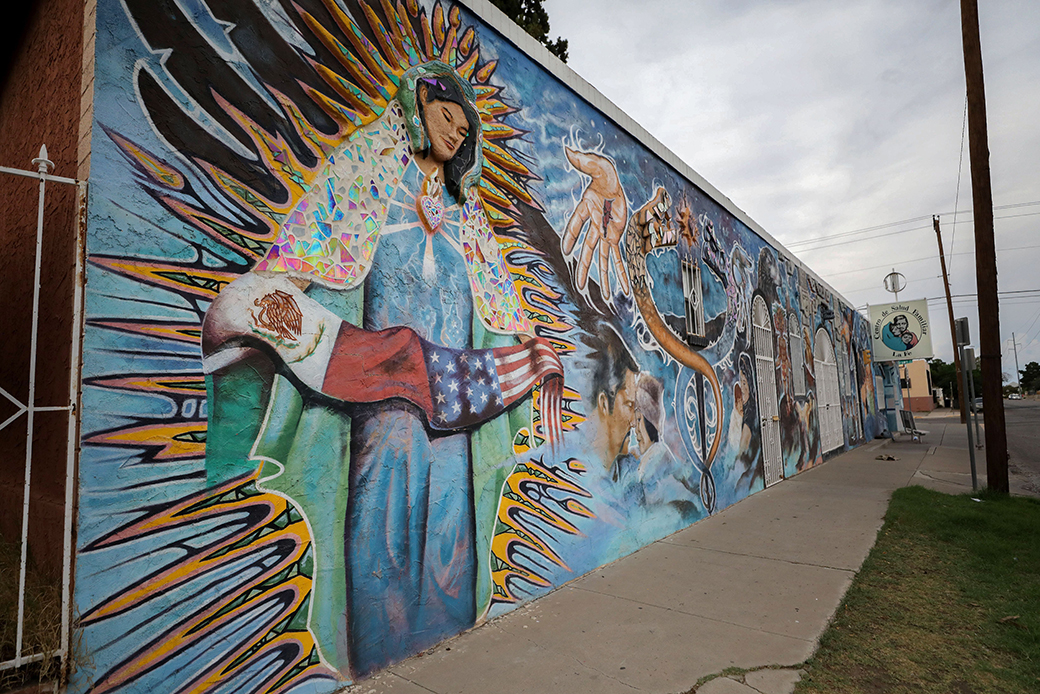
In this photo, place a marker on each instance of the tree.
(532, 18)
(945, 376)
(1030, 377)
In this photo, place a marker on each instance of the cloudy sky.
(819, 118)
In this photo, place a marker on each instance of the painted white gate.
(29, 408)
(828, 395)
(768, 409)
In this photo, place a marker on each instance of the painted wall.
(339, 408)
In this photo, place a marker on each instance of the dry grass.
(947, 602)
(42, 626)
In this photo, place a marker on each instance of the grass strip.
(948, 601)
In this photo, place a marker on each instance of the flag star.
(473, 409)
(498, 400)
(469, 392)
(463, 358)
(490, 359)
(454, 386)
(480, 381)
(435, 358)
(451, 367)
(483, 397)
(457, 407)
(440, 398)
(438, 378)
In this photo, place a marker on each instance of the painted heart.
(432, 212)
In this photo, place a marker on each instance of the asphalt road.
(1022, 422)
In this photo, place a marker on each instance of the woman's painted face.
(446, 126)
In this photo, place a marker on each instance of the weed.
(42, 619)
(947, 601)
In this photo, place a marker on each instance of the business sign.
(901, 330)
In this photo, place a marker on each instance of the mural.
(388, 332)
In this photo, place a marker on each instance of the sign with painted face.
(901, 330)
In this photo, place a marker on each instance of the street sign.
(961, 329)
(901, 331)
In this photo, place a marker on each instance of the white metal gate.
(828, 393)
(768, 409)
(30, 408)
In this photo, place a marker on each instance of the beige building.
(915, 379)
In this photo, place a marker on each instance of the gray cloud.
(818, 117)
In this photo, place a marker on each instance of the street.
(1022, 418)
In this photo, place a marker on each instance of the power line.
(831, 275)
(868, 238)
(910, 220)
(859, 231)
(1017, 291)
(1016, 248)
(1022, 301)
(957, 196)
(893, 233)
(1032, 324)
(900, 263)
(863, 289)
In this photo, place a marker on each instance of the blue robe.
(410, 554)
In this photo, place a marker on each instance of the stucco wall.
(40, 104)
(334, 413)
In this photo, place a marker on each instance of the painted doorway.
(768, 408)
(828, 393)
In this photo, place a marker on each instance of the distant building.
(915, 380)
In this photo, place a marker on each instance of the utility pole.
(985, 252)
(953, 327)
(1018, 377)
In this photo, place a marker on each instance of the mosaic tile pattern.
(494, 294)
(331, 235)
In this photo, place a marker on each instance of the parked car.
(976, 405)
(1015, 396)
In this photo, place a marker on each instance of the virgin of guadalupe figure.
(360, 360)
(897, 335)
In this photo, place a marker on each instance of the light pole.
(1018, 382)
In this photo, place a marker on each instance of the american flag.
(455, 388)
(470, 386)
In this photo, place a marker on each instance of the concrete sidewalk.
(753, 587)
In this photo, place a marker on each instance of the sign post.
(962, 339)
(900, 332)
(970, 354)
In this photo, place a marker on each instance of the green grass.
(42, 625)
(948, 601)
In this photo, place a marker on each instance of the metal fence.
(30, 408)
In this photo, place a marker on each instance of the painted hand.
(653, 218)
(603, 210)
